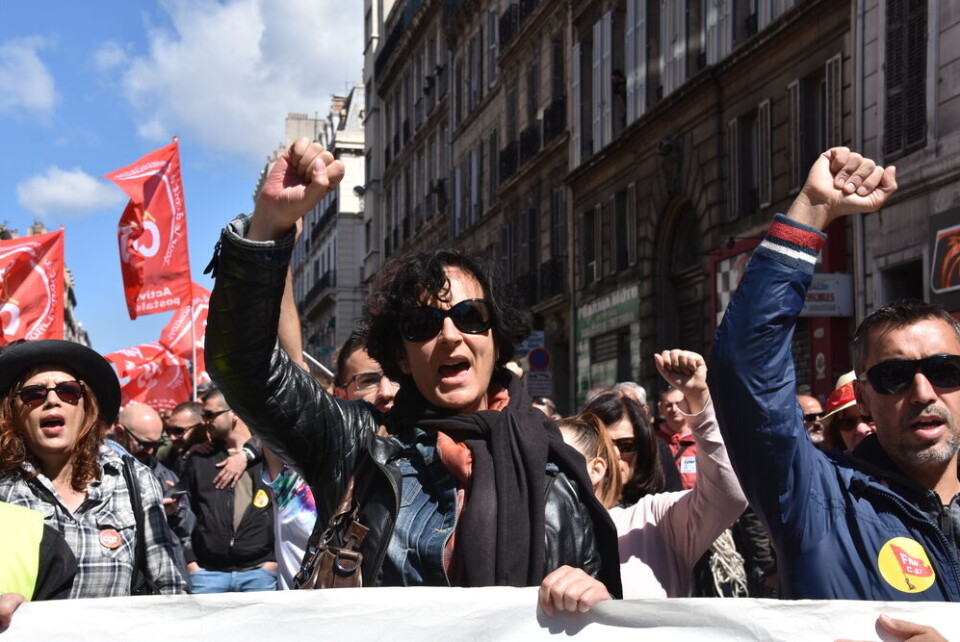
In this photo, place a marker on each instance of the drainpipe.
(859, 248)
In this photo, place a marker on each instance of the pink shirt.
(662, 536)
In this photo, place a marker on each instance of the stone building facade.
(620, 159)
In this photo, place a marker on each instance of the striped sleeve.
(794, 244)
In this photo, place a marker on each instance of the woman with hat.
(57, 399)
(843, 425)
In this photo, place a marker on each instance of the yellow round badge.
(905, 566)
(260, 499)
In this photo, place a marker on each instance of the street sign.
(539, 359)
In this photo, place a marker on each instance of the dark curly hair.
(13, 449)
(409, 280)
(648, 476)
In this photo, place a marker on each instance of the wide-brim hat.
(84, 362)
(841, 398)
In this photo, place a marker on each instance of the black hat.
(86, 363)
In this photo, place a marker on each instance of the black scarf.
(500, 536)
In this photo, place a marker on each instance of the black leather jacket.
(328, 439)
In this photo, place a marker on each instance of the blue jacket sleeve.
(753, 385)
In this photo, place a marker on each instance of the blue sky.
(89, 87)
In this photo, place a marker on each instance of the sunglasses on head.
(626, 445)
(69, 392)
(425, 321)
(893, 376)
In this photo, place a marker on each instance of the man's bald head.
(139, 429)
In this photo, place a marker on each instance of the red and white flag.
(153, 375)
(153, 233)
(185, 342)
(31, 287)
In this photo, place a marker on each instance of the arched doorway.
(680, 294)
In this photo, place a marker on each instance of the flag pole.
(322, 368)
(193, 343)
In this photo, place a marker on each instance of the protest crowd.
(426, 463)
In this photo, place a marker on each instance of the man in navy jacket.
(881, 522)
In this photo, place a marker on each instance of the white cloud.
(26, 85)
(109, 56)
(66, 193)
(227, 73)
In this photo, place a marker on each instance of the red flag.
(31, 287)
(909, 564)
(153, 233)
(177, 335)
(153, 375)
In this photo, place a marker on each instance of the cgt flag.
(31, 287)
(151, 374)
(153, 233)
(178, 337)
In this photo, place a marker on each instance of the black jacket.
(329, 439)
(216, 546)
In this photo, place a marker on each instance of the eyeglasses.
(425, 321)
(69, 392)
(143, 443)
(812, 417)
(893, 376)
(366, 381)
(626, 445)
(177, 431)
(210, 415)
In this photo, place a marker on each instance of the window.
(905, 112)
(558, 223)
(743, 157)
(602, 70)
(590, 247)
(533, 90)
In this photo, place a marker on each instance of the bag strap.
(139, 556)
(323, 533)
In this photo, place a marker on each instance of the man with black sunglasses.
(881, 522)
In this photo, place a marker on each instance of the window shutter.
(575, 102)
(606, 72)
(733, 169)
(833, 101)
(794, 147)
(636, 59)
(764, 167)
(598, 84)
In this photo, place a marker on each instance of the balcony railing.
(509, 25)
(509, 160)
(553, 277)
(554, 119)
(525, 289)
(529, 142)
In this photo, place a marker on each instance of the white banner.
(456, 614)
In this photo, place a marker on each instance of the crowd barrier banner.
(448, 614)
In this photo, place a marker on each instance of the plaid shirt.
(102, 531)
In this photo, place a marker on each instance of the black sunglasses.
(425, 321)
(143, 443)
(626, 445)
(70, 392)
(177, 431)
(812, 417)
(893, 376)
(209, 415)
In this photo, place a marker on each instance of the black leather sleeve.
(320, 436)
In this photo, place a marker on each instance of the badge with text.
(260, 500)
(110, 538)
(905, 566)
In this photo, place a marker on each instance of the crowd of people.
(426, 462)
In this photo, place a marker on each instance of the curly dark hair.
(647, 473)
(409, 280)
(14, 452)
